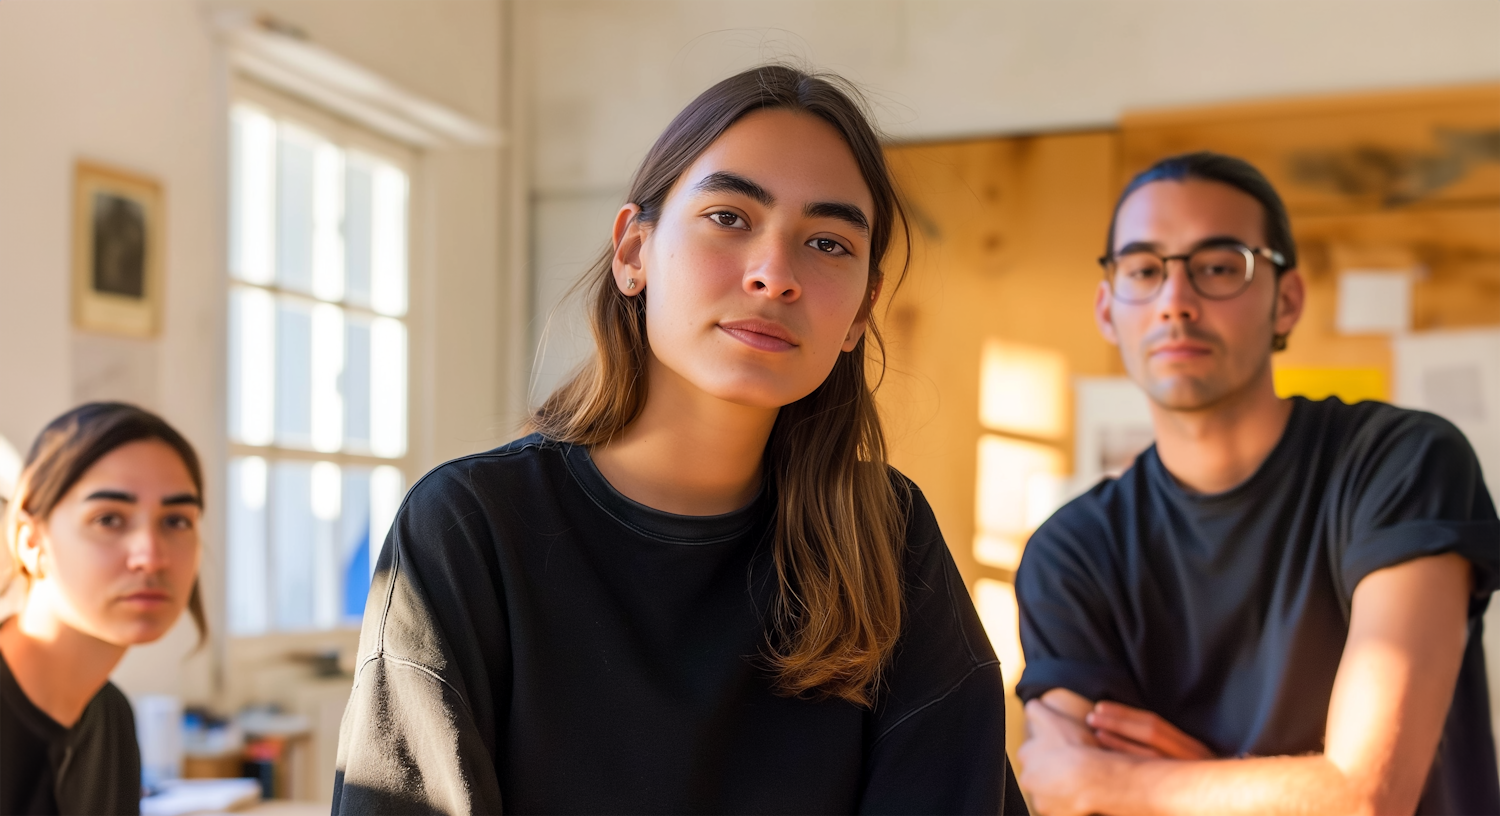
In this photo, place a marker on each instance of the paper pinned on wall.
(1454, 391)
(1374, 301)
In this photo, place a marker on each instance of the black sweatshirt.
(537, 642)
(92, 767)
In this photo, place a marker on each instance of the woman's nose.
(146, 550)
(772, 273)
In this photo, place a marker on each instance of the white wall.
(605, 76)
(142, 84)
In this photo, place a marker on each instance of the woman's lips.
(760, 335)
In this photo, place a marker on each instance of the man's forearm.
(1262, 786)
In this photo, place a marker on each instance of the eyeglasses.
(1215, 271)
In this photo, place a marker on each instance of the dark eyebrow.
(848, 213)
(1149, 246)
(111, 495)
(129, 498)
(725, 182)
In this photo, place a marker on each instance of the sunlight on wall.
(996, 601)
(1023, 389)
(1023, 392)
(1019, 485)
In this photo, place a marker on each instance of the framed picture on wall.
(117, 251)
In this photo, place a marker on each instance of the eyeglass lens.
(1216, 272)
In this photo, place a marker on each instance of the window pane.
(246, 562)
(294, 536)
(357, 384)
(388, 387)
(354, 539)
(327, 507)
(327, 367)
(328, 211)
(294, 209)
(305, 512)
(252, 332)
(252, 182)
(359, 191)
(293, 373)
(388, 259)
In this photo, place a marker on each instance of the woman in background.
(101, 554)
(698, 588)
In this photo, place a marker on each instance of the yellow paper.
(1348, 384)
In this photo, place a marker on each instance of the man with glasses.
(1277, 609)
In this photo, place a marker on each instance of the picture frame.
(118, 229)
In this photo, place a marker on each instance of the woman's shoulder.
(108, 723)
(511, 467)
(923, 536)
(114, 706)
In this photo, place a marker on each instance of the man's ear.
(857, 328)
(629, 236)
(1104, 318)
(1291, 298)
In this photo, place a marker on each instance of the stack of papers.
(183, 796)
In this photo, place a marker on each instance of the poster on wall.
(117, 252)
(1456, 375)
(1111, 426)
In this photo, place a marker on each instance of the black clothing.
(1227, 614)
(93, 768)
(536, 641)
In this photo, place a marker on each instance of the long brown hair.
(64, 451)
(840, 523)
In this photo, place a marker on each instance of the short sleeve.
(1415, 489)
(1068, 630)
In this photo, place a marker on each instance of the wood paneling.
(1349, 154)
(1005, 234)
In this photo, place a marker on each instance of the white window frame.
(346, 135)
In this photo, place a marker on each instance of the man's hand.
(1057, 761)
(1119, 727)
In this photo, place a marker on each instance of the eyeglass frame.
(1277, 260)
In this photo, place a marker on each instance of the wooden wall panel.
(1347, 154)
(1005, 232)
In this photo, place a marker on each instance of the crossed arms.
(1407, 634)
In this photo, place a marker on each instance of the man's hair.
(1237, 173)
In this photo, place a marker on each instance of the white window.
(318, 364)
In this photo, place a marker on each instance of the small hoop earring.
(630, 284)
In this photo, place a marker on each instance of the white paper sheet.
(1374, 301)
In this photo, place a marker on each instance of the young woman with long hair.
(102, 554)
(698, 586)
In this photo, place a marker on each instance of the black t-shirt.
(1227, 613)
(537, 642)
(92, 768)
